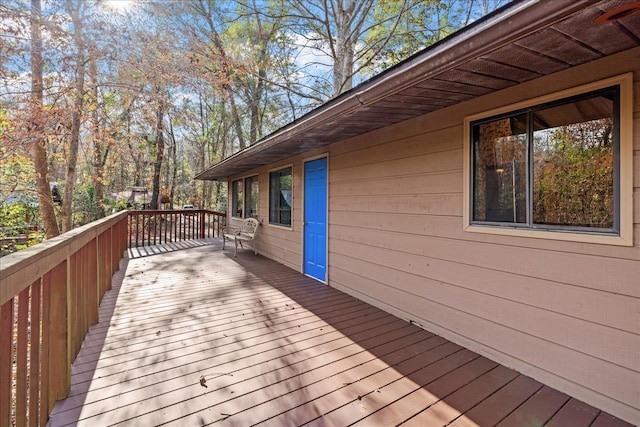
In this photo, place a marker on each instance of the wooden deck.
(191, 336)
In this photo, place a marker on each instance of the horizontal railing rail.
(155, 227)
(50, 295)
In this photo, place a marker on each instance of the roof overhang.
(522, 41)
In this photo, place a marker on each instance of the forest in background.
(101, 96)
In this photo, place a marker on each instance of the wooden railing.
(148, 227)
(50, 294)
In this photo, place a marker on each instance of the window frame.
(622, 232)
(279, 224)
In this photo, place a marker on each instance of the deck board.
(277, 348)
(498, 406)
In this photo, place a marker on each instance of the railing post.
(202, 219)
(21, 358)
(34, 367)
(96, 272)
(58, 334)
(6, 332)
(72, 303)
(45, 392)
(115, 246)
(123, 238)
(129, 227)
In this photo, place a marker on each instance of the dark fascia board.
(504, 26)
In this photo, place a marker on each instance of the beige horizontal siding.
(448, 284)
(429, 204)
(400, 146)
(435, 162)
(575, 301)
(594, 272)
(425, 183)
(450, 227)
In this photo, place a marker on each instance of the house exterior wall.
(566, 313)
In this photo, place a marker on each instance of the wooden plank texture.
(34, 357)
(21, 358)
(193, 336)
(6, 336)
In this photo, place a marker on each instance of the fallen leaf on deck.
(203, 381)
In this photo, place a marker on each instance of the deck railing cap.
(56, 249)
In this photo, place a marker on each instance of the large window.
(252, 197)
(280, 197)
(236, 198)
(553, 166)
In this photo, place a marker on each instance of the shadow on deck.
(190, 335)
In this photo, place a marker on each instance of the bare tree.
(342, 30)
(76, 115)
(45, 200)
(159, 148)
(101, 147)
(204, 8)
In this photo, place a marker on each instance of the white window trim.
(625, 237)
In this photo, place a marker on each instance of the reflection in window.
(236, 198)
(550, 166)
(280, 197)
(500, 152)
(252, 197)
(573, 167)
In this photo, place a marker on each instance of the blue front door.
(315, 219)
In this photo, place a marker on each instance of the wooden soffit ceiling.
(522, 41)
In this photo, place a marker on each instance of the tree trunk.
(157, 166)
(99, 156)
(47, 212)
(174, 159)
(344, 48)
(136, 156)
(76, 121)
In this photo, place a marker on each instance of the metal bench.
(246, 233)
